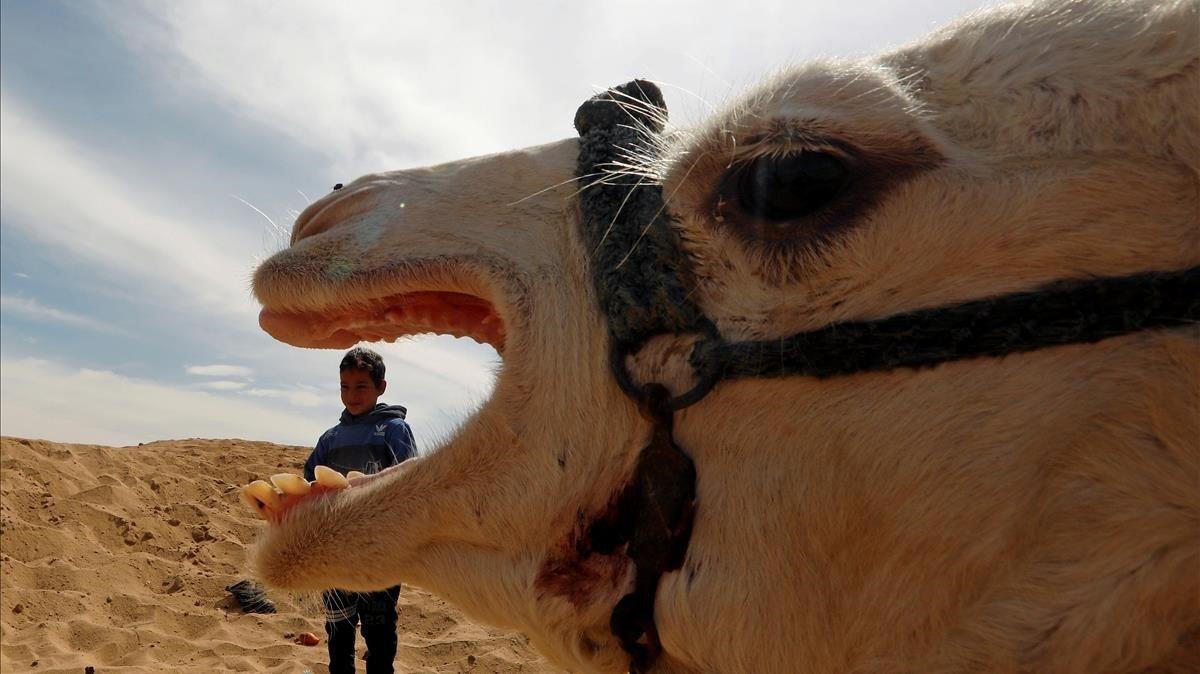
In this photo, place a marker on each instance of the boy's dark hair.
(364, 360)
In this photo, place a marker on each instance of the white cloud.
(300, 397)
(219, 370)
(64, 196)
(33, 310)
(373, 88)
(426, 360)
(222, 385)
(389, 84)
(110, 408)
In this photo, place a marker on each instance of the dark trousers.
(376, 613)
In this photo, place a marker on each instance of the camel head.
(1036, 511)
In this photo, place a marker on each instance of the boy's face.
(359, 393)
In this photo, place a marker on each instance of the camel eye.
(789, 187)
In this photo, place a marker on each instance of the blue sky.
(146, 147)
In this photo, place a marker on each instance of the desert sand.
(118, 558)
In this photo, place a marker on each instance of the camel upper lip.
(351, 275)
(339, 206)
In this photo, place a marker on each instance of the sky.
(152, 153)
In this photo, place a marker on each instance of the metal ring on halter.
(706, 376)
(713, 368)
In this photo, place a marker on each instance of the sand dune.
(118, 558)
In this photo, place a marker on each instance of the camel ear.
(640, 100)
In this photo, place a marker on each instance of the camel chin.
(1031, 512)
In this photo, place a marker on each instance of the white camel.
(1035, 512)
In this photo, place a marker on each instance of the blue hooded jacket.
(367, 443)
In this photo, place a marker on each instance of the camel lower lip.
(387, 319)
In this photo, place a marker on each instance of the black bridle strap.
(1065, 312)
(641, 279)
(642, 285)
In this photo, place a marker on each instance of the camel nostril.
(332, 210)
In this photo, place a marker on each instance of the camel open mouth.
(388, 319)
(339, 284)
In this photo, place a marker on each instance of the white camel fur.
(1037, 512)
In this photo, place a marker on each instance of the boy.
(369, 437)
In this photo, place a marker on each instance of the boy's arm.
(400, 441)
(314, 460)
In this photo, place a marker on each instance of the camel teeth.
(248, 499)
(354, 474)
(328, 477)
(291, 484)
(265, 493)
